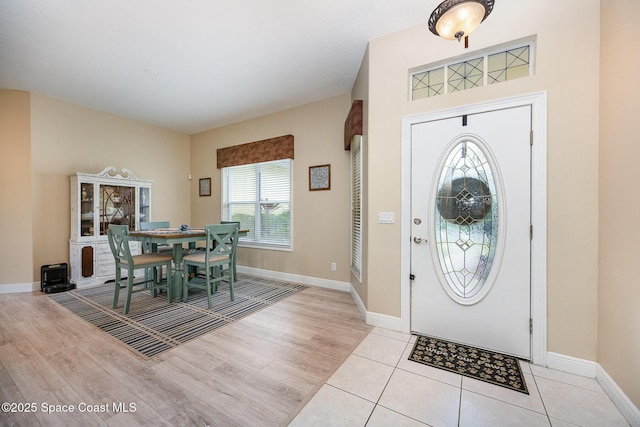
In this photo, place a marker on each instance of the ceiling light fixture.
(455, 19)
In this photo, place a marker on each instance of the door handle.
(419, 240)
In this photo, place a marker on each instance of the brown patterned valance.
(353, 124)
(280, 147)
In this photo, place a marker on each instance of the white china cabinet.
(97, 201)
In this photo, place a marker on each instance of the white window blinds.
(259, 197)
(356, 206)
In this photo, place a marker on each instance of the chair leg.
(147, 278)
(231, 280)
(169, 284)
(116, 292)
(216, 271)
(127, 302)
(233, 267)
(154, 290)
(185, 286)
(209, 295)
(207, 279)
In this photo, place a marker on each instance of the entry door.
(471, 210)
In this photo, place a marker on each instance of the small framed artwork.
(205, 186)
(320, 177)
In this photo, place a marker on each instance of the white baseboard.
(375, 319)
(384, 321)
(12, 288)
(619, 398)
(590, 369)
(360, 304)
(572, 365)
(296, 278)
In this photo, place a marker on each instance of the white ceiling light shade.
(455, 19)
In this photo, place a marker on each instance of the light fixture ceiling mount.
(455, 19)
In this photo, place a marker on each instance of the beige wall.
(15, 188)
(572, 150)
(321, 219)
(619, 287)
(67, 138)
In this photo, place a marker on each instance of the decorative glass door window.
(87, 215)
(466, 221)
(145, 201)
(117, 206)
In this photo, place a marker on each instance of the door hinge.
(530, 231)
(531, 138)
(530, 326)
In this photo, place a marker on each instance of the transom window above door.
(479, 69)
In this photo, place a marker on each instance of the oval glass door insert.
(466, 222)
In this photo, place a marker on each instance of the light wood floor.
(258, 371)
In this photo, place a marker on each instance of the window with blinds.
(356, 206)
(259, 197)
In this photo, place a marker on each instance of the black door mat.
(482, 365)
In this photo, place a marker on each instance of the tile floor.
(378, 386)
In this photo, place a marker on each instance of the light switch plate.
(386, 217)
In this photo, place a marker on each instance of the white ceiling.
(192, 65)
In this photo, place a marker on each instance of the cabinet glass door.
(87, 215)
(117, 206)
(144, 205)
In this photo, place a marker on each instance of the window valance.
(353, 124)
(278, 148)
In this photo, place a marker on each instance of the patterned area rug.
(153, 326)
(483, 365)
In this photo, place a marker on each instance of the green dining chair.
(152, 225)
(209, 265)
(233, 263)
(152, 264)
(149, 248)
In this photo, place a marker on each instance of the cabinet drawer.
(106, 265)
(103, 249)
(104, 258)
(107, 269)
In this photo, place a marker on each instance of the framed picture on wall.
(320, 177)
(205, 186)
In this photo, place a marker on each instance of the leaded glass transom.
(466, 220)
(466, 75)
(428, 83)
(508, 65)
(492, 67)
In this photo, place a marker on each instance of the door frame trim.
(538, 103)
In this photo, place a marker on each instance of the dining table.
(176, 238)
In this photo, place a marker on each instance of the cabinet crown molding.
(112, 172)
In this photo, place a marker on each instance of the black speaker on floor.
(54, 278)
